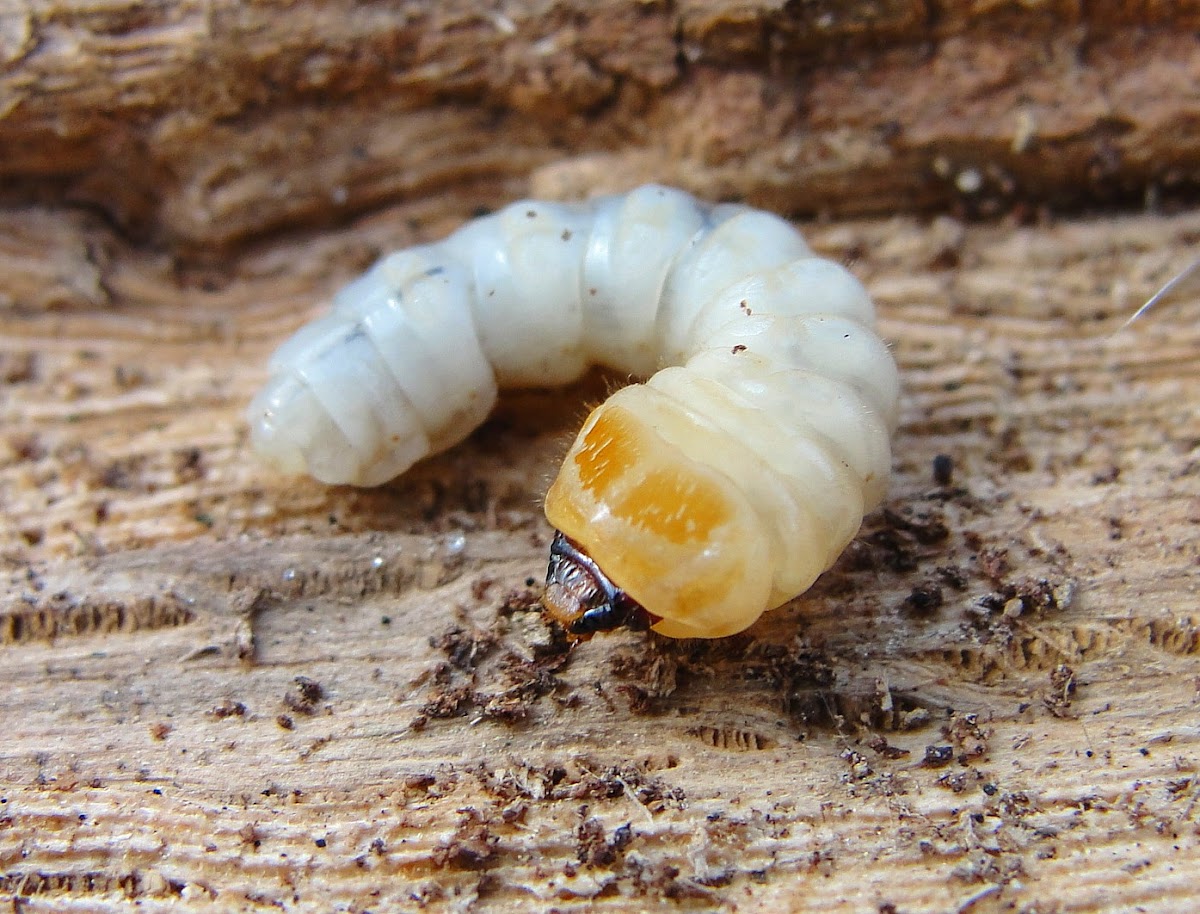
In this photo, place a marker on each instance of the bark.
(206, 123)
(225, 690)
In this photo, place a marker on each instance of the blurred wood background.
(225, 690)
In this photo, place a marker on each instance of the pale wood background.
(184, 183)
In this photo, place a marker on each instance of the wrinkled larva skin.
(718, 489)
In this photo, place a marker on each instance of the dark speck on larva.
(650, 285)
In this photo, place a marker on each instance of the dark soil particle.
(943, 469)
(304, 697)
(595, 847)
(495, 673)
(937, 756)
(924, 599)
(472, 847)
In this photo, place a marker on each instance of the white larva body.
(720, 488)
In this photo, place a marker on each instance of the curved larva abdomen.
(716, 490)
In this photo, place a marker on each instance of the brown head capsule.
(581, 598)
(720, 488)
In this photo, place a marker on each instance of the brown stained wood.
(200, 125)
(225, 690)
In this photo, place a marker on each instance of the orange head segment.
(676, 536)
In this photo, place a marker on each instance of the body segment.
(719, 488)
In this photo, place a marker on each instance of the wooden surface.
(165, 595)
(225, 690)
(201, 123)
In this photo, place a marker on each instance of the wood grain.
(225, 690)
(202, 124)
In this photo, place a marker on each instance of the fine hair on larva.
(719, 488)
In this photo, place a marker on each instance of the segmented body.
(719, 488)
